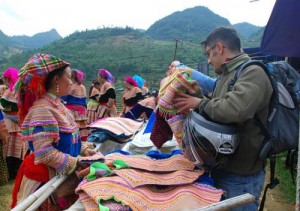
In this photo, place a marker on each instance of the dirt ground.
(275, 201)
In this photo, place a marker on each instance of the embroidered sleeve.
(41, 130)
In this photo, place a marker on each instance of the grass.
(286, 185)
(5, 193)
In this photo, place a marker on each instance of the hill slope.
(123, 51)
(37, 40)
(246, 29)
(127, 51)
(191, 24)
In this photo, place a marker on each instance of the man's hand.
(184, 102)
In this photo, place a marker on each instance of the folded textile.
(148, 197)
(90, 205)
(101, 135)
(117, 125)
(135, 177)
(157, 155)
(174, 163)
(98, 157)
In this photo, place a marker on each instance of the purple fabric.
(79, 76)
(106, 75)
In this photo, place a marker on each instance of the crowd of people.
(45, 111)
(44, 116)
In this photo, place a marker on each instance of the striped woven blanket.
(147, 184)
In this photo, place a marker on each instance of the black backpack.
(282, 131)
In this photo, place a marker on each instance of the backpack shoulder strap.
(239, 70)
(273, 182)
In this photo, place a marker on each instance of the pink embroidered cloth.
(149, 197)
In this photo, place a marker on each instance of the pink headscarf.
(131, 81)
(79, 76)
(106, 75)
(12, 75)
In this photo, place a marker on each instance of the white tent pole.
(34, 196)
(46, 194)
(229, 203)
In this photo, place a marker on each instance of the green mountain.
(17, 44)
(37, 40)
(191, 25)
(123, 51)
(127, 51)
(7, 46)
(246, 29)
(257, 36)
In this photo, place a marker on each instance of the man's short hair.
(226, 35)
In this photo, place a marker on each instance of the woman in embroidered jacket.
(107, 97)
(131, 96)
(75, 101)
(50, 130)
(93, 104)
(144, 108)
(14, 149)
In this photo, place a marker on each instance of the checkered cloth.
(32, 77)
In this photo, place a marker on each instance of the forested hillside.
(37, 40)
(18, 44)
(128, 51)
(191, 24)
(7, 46)
(123, 51)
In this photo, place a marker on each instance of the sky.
(29, 17)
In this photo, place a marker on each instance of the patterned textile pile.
(138, 182)
(113, 128)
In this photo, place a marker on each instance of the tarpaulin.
(282, 33)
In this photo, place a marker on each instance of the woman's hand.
(88, 152)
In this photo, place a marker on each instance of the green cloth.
(98, 166)
(121, 164)
(104, 208)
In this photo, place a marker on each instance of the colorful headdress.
(106, 75)
(139, 80)
(131, 81)
(79, 75)
(12, 75)
(31, 83)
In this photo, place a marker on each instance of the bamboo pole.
(34, 196)
(230, 203)
(47, 193)
(297, 208)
